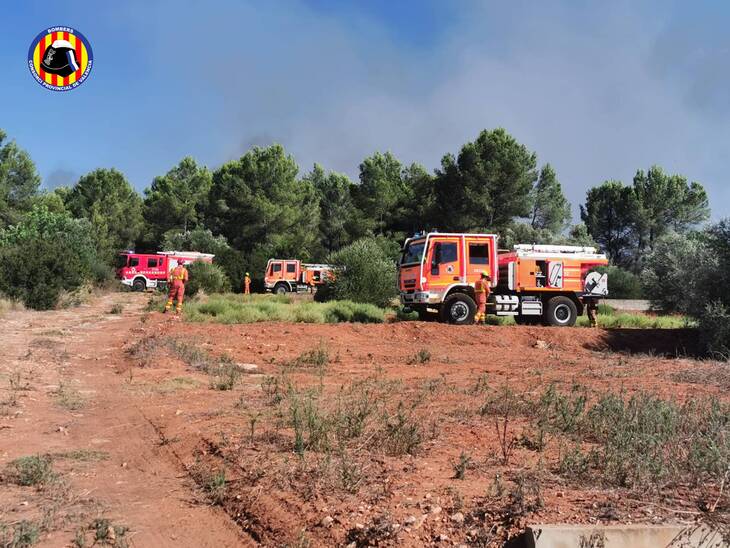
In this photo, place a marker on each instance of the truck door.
(555, 274)
(275, 270)
(444, 266)
(291, 271)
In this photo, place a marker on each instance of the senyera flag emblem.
(60, 58)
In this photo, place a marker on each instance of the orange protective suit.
(177, 280)
(481, 291)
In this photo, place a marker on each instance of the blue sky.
(598, 89)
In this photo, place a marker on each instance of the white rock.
(327, 521)
(458, 517)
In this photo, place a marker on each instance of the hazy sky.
(598, 89)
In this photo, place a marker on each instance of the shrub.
(714, 327)
(44, 255)
(364, 274)
(678, 274)
(33, 470)
(622, 284)
(209, 277)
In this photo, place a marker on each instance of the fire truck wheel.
(561, 312)
(139, 285)
(458, 309)
(281, 289)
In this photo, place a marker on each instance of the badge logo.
(60, 58)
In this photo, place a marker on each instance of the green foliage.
(261, 207)
(211, 278)
(622, 283)
(109, 202)
(21, 535)
(175, 200)
(551, 210)
(43, 255)
(488, 185)
(609, 214)
(680, 274)
(33, 470)
(714, 328)
(233, 309)
(627, 221)
(203, 240)
(363, 274)
(19, 181)
(666, 202)
(338, 218)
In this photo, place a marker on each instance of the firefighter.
(591, 310)
(177, 280)
(482, 290)
(247, 284)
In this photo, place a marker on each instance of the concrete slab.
(622, 536)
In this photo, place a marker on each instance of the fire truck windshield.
(121, 261)
(413, 252)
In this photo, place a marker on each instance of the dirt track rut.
(62, 393)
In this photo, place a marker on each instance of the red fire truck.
(548, 284)
(142, 271)
(292, 275)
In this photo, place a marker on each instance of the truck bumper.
(126, 282)
(420, 297)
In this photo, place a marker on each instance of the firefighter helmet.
(60, 58)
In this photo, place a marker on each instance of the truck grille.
(409, 284)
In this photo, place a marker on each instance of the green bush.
(364, 274)
(622, 284)
(680, 274)
(44, 255)
(714, 327)
(209, 277)
(233, 309)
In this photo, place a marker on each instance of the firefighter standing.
(591, 310)
(247, 284)
(177, 280)
(482, 290)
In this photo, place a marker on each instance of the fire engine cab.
(292, 275)
(142, 271)
(548, 284)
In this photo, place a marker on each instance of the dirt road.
(148, 431)
(63, 394)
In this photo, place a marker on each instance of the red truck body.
(142, 271)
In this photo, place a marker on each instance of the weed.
(224, 376)
(350, 473)
(526, 496)
(68, 397)
(231, 309)
(82, 455)
(401, 432)
(116, 309)
(316, 357)
(20, 535)
(273, 389)
(216, 487)
(107, 533)
(481, 385)
(504, 407)
(32, 470)
(420, 357)
(462, 465)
